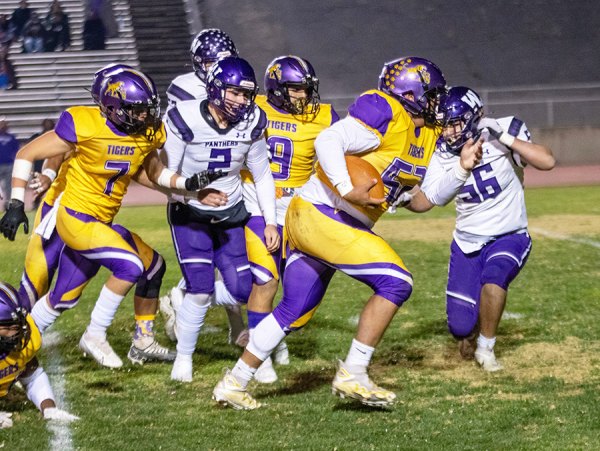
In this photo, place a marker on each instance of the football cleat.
(487, 359)
(281, 355)
(265, 374)
(169, 304)
(99, 349)
(242, 338)
(360, 387)
(229, 392)
(147, 348)
(182, 369)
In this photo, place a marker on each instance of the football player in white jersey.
(220, 133)
(491, 243)
(209, 46)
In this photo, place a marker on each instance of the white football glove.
(496, 131)
(5, 421)
(56, 414)
(402, 201)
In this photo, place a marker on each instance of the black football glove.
(202, 179)
(13, 218)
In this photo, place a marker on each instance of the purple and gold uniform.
(326, 233)
(97, 177)
(291, 147)
(14, 363)
(43, 253)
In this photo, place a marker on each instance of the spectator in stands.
(34, 35)
(105, 12)
(9, 146)
(94, 33)
(58, 33)
(7, 72)
(7, 30)
(20, 17)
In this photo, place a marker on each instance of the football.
(362, 172)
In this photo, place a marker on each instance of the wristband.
(18, 194)
(507, 139)
(22, 169)
(164, 179)
(344, 187)
(180, 183)
(50, 173)
(461, 173)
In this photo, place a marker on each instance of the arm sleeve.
(441, 184)
(174, 147)
(38, 387)
(345, 136)
(258, 163)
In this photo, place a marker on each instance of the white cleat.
(182, 369)
(265, 374)
(487, 359)
(169, 305)
(229, 392)
(281, 355)
(360, 387)
(99, 349)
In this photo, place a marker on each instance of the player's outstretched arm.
(37, 385)
(162, 176)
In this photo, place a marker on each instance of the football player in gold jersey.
(20, 341)
(110, 144)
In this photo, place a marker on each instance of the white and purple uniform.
(184, 87)
(205, 236)
(491, 243)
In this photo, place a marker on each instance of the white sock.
(190, 319)
(222, 296)
(243, 373)
(359, 356)
(104, 312)
(43, 315)
(265, 337)
(486, 343)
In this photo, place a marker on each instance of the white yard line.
(560, 236)
(61, 432)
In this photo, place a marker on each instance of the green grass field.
(548, 396)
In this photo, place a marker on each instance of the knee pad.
(395, 290)
(265, 338)
(148, 285)
(462, 316)
(500, 271)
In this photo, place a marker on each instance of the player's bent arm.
(441, 184)
(345, 136)
(46, 146)
(537, 155)
(258, 163)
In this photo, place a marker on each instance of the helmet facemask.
(233, 110)
(18, 340)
